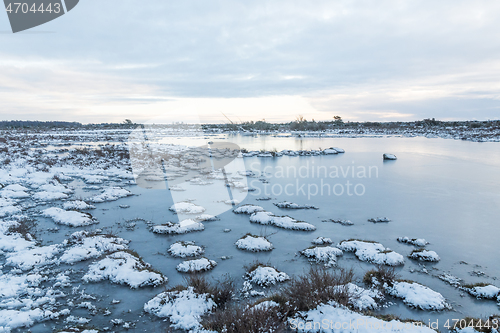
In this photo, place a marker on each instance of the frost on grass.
(291, 205)
(417, 296)
(266, 276)
(86, 245)
(35, 257)
(182, 227)
(77, 205)
(111, 194)
(483, 290)
(424, 255)
(323, 254)
(372, 252)
(322, 241)
(185, 249)
(379, 220)
(186, 208)
(70, 218)
(413, 241)
(183, 308)
(285, 222)
(248, 209)
(332, 313)
(124, 268)
(254, 243)
(339, 221)
(196, 265)
(363, 299)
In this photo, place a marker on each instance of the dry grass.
(382, 274)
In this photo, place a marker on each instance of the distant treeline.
(28, 124)
(302, 124)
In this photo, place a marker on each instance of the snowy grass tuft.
(254, 243)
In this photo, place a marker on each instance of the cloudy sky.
(108, 60)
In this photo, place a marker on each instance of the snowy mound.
(36, 257)
(266, 276)
(70, 218)
(185, 249)
(186, 208)
(323, 254)
(196, 265)
(372, 252)
(124, 268)
(418, 296)
(248, 209)
(254, 243)
(291, 205)
(111, 194)
(285, 222)
(322, 241)
(390, 157)
(77, 204)
(86, 246)
(379, 219)
(413, 241)
(483, 291)
(183, 308)
(182, 227)
(10, 240)
(424, 255)
(334, 314)
(339, 221)
(206, 218)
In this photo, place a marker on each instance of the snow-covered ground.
(372, 252)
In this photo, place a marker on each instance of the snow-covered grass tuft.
(254, 243)
(285, 222)
(183, 308)
(372, 252)
(339, 221)
(417, 296)
(186, 208)
(265, 275)
(424, 255)
(86, 245)
(70, 218)
(291, 205)
(322, 241)
(482, 290)
(196, 265)
(323, 254)
(35, 257)
(77, 205)
(124, 267)
(379, 220)
(248, 209)
(182, 227)
(111, 194)
(413, 241)
(184, 249)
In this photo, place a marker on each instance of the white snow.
(413, 241)
(363, 299)
(488, 291)
(336, 318)
(379, 219)
(12, 241)
(266, 276)
(248, 209)
(417, 296)
(340, 221)
(254, 243)
(372, 252)
(77, 204)
(183, 308)
(70, 218)
(35, 257)
(182, 227)
(322, 241)
(88, 246)
(196, 265)
(186, 208)
(323, 254)
(111, 194)
(285, 222)
(206, 218)
(124, 268)
(424, 255)
(291, 205)
(390, 157)
(185, 249)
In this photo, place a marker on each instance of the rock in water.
(390, 157)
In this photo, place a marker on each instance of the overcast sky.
(108, 60)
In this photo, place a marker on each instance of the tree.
(338, 120)
(128, 122)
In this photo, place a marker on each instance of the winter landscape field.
(166, 229)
